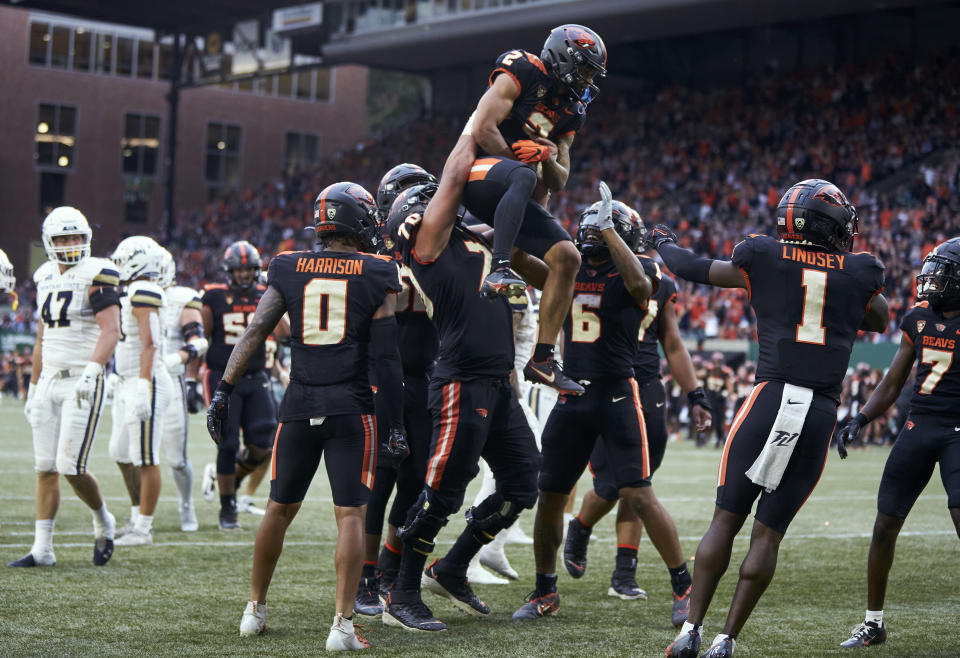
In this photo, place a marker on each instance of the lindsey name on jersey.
(647, 365)
(177, 299)
(139, 294)
(936, 388)
(232, 312)
(70, 328)
(331, 298)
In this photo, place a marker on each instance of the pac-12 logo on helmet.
(626, 222)
(570, 53)
(939, 280)
(239, 259)
(347, 209)
(66, 221)
(398, 179)
(815, 211)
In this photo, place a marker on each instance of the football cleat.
(549, 373)
(125, 529)
(208, 484)
(493, 558)
(246, 505)
(538, 605)
(623, 585)
(103, 544)
(681, 608)
(228, 519)
(477, 575)
(188, 518)
(865, 635)
(134, 538)
(28, 560)
(575, 548)
(516, 535)
(254, 620)
(721, 648)
(455, 588)
(686, 645)
(344, 637)
(410, 613)
(503, 281)
(367, 601)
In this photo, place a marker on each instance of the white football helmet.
(66, 220)
(137, 257)
(168, 267)
(7, 281)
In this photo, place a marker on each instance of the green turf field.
(185, 595)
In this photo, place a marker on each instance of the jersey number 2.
(324, 311)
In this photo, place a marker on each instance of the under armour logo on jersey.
(481, 412)
(784, 439)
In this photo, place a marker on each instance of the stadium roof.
(165, 16)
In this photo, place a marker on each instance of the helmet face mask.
(241, 257)
(576, 56)
(627, 223)
(61, 222)
(410, 201)
(137, 257)
(347, 210)
(398, 179)
(7, 280)
(168, 268)
(939, 280)
(816, 212)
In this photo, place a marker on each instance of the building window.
(140, 145)
(300, 150)
(104, 53)
(53, 191)
(145, 59)
(124, 56)
(222, 162)
(82, 50)
(304, 86)
(39, 43)
(136, 199)
(60, 47)
(55, 137)
(323, 84)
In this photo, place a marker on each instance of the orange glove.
(530, 152)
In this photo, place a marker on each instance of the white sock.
(720, 638)
(183, 478)
(42, 537)
(134, 513)
(345, 624)
(873, 616)
(687, 627)
(144, 524)
(100, 520)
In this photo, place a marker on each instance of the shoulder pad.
(45, 270)
(145, 293)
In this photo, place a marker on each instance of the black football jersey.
(600, 332)
(232, 312)
(418, 341)
(476, 333)
(540, 110)
(809, 304)
(716, 380)
(331, 298)
(647, 364)
(936, 388)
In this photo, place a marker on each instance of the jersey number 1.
(811, 330)
(324, 311)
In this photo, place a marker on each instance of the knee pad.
(493, 514)
(424, 521)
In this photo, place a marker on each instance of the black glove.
(848, 432)
(396, 444)
(698, 397)
(660, 235)
(218, 410)
(194, 396)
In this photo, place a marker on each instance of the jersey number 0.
(324, 311)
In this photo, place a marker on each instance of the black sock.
(411, 568)
(626, 559)
(369, 570)
(546, 583)
(228, 501)
(389, 561)
(542, 352)
(466, 546)
(680, 579)
(508, 216)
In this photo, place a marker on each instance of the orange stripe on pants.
(448, 430)
(369, 450)
(643, 427)
(737, 421)
(273, 460)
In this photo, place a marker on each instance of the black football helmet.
(411, 200)
(242, 256)
(347, 209)
(939, 280)
(817, 212)
(570, 53)
(626, 222)
(398, 179)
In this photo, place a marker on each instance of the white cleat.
(188, 518)
(125, 529)
(246, 505)
(254, 620)
(493, 558)
(480, 576)
(343, 636)
(516, 535)
(208, 484)
(135, 538)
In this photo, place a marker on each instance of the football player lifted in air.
(144, 389)
(810, 295)
(474, 409)
(658, 324)
(182, 324)
(226, 312)
(78, 330)
(931, 434)
(524, 124)
(418, 343)
(341, 301)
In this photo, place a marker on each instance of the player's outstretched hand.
(849, 432)
(660, 235)
(396, 445)
(217, 413)
(194, 396)
(529, 151)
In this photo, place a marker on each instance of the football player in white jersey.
(79, 329)
(144, 390)
(7, 281)
(184, 343)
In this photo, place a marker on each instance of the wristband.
(696, 395)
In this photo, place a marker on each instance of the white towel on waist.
(768, 469)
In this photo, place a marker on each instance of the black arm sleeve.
(190, 330)
(101, 298)
(685, 264)
(385, 362)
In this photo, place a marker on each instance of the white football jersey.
(139, 294)
(177, 299)
(70, 329)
